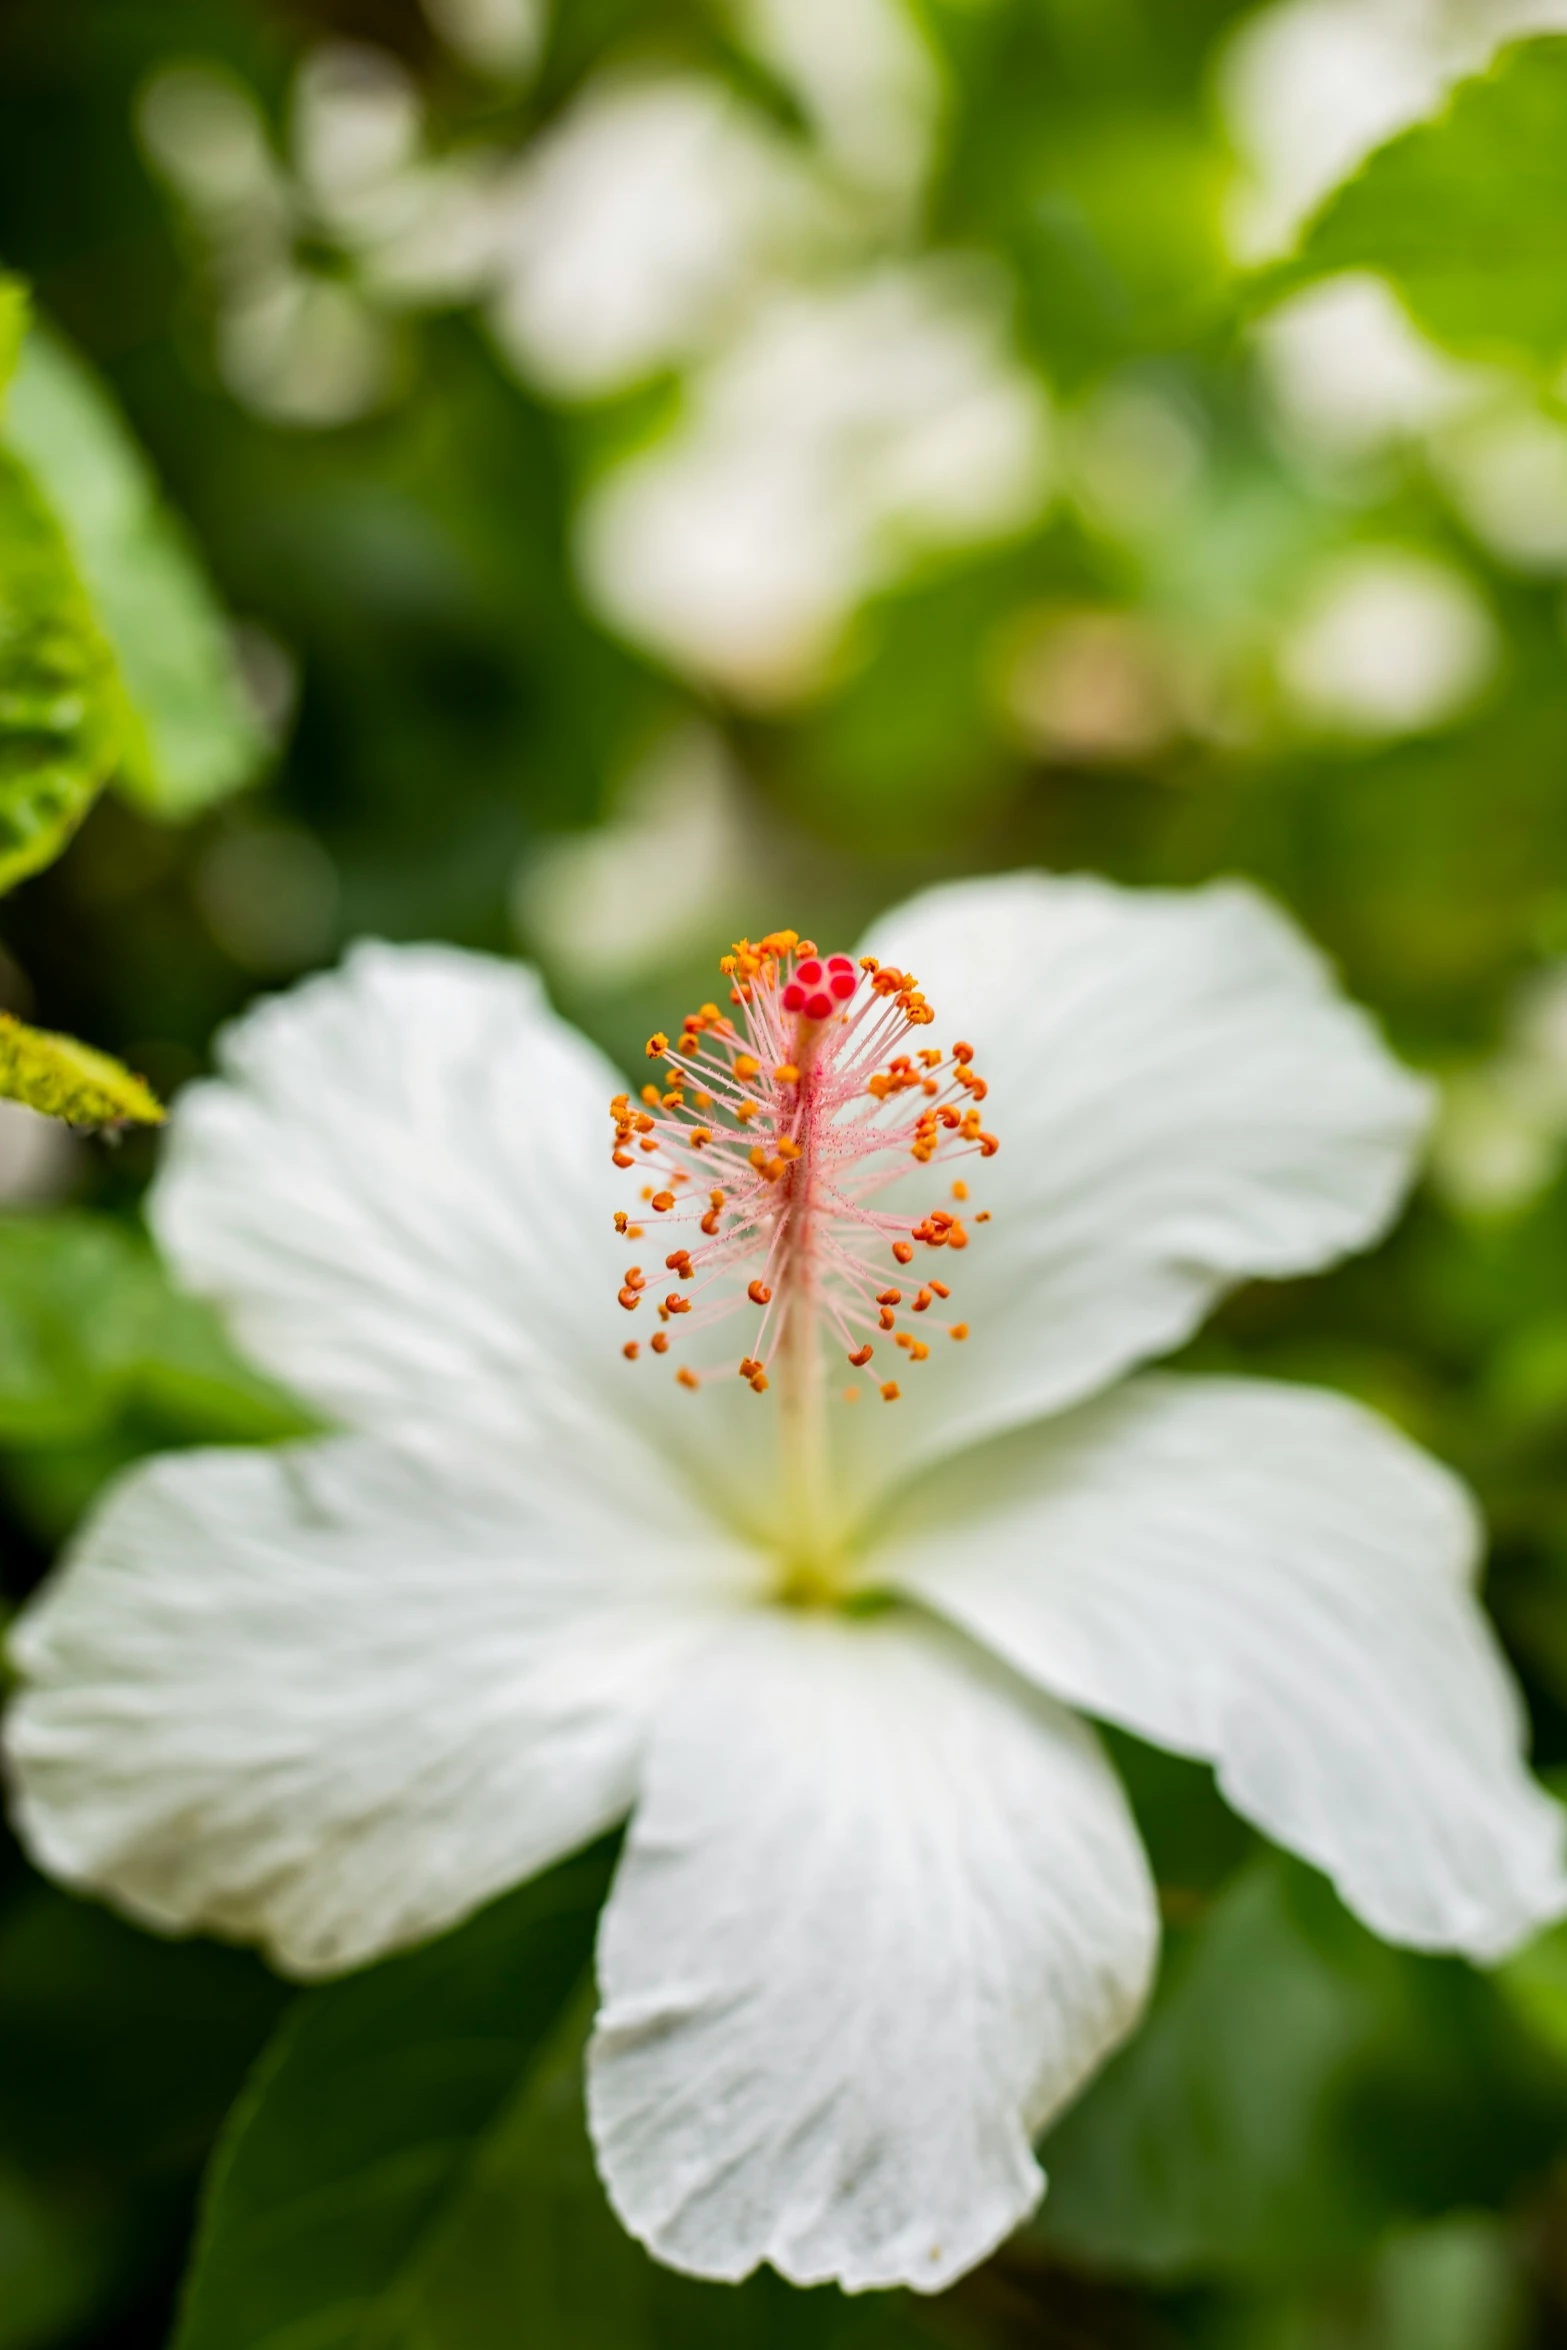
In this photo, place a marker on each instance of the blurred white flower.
(1387, 643)
(499, 38)
(633, 226)
(1309, 87)
(846, 432)
(881, 1907)
(1348, 372)
(867, 77)
(1502, 1133)
(1506, 472)
(592, 903)
(296, 343)
(303, 349)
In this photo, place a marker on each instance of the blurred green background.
(671, 469)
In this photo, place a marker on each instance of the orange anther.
(749, 1367)
(642, 1122)
(786, 1073)
(868, 963)
(921, 1303)
(747, 1110)
(988, 1146)
(710, 1223)
(902, 1251)
(759, 1158)
(630, 1299)
(622, 1220)
(957, 1237)
(958, 1330)
(635, 1277)
(657, 1043)
(648, 1143)
(745, 1066)
(890, 1391)
(918, 1350)
(676, 1303)
(776, 1170)
(631, 1350)
(715, 1199)
(622, 1159)
(679, 1262)
(941, 1289)
(889, 1297)
(903, 1339)
(960, 1191)
(788, 1149)
(699, 1137)
(660, 1342)
(963, 1052)
(862, 1356)
(983, 1217)
(759, 1383)
(759, 1294)
(663, 1201)
(687, 1378)
(885, 1317)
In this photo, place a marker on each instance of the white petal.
(1272, 1578)
(402, 1193)
(1183, 1100)
(333, 1696)
(881, 1911)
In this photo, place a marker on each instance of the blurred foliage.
(1282, 603)
(1465, 214)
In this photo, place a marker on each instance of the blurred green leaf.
(409, 2170)
(89, 1328)
(192, 738)
(58, 2253)
(118, 2056)
(13, 326)
(1467, 213)
(61, 708)
(1298, 2087)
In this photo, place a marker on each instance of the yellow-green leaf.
(65, 1078)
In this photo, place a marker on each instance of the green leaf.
(409, 2170)
(1466, 214)
(192, 738)
(62, 710)
(61, 1077)
(91, 1330)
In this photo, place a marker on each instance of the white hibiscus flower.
(881, 1908)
